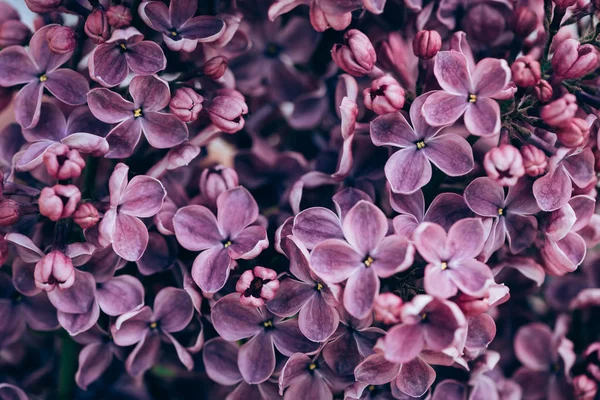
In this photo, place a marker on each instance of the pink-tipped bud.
(215, 67)
(534, 160)
(564, 4)
(357, 57)
(543, 91)
(427, 44)
(524, 21)
(43, 6)
(585, 388)
(388, 308)
(384, 96)
(574, 133)
(86, 216)
(472, 306)
(257, 286)
(560, 111)
(216, 180)
(119, 16)
(186, 104)
(97, 26)
(54, 269)
(572, 60)
(10, 212)
(63, 163)
(526, 71)
(59, 201)
(13, 33)
(226, 110)
(61, 39)
(504, 164)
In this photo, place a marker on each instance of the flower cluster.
(300, 199)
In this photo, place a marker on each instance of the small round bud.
(585, 388)
(43, 6)
(119, 16)
(10, 212)
(534, 160)
(186, 104)
(504, 164)
(384, 96)
(216, 180)
(572, 60)
(61, 39)
(257, 286)
(543, 91)
(524, 21)
(388, 308)
(427, 44)
(357, 57)
(14, 33)
(574, 133)
(526, 72)
(226, 109)
(59, 201)
(472, 306)
(86, 216)
(215, 67)
(560, 111)
(97, 26)
(63, 163)
(54, 269)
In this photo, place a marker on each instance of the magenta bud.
(97, 26)
(61, 39)
(504, 164)
(524, 21)
(384, 96)
(86, 216)
(216, 180)
(388, 308)
(572, 60)
(357, 57)
(54, 269)
(13, 33)
(526, 71)
(257, 286)
(585, 388)
(426, 44)
(472, 306)
(43, 6)
(574, 133)
(322, 21)
(10, 212)
(63, 163)
(186, 104)
(543, 91)
(226, 109)
(119, 16)
(59, 201)
(564, 4)
(534, 160)
(215, 67)
(560, 111)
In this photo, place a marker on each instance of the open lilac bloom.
(362, 258)
(126, 50)
(512, 214)
(256, 359)
(38, 68)
(468, 92)
(409, 169)
(150, 95)
(147, 329)
(451, 257)
(142, 197)
(180, 29)
(223, 239)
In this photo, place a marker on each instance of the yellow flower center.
(500, 211)
(153, 325)
(312, 366)
(424, 316)
(123, 46)
(368, 261)
(444, 265)
(472, 98)
(371, 388)
(420, 145)
(173, 33)
(268, 324)
(137, 113)
(43, 78)
(319, 287)
(227, 244)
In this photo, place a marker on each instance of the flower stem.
(66, 372)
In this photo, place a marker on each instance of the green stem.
(67, 368)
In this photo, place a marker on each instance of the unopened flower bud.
(257, 286)
(526, 71)
(216, 180)
(86, 216)
(524, 21)
(573, 60)
(215, 67)
(10, 212)
(543, 91)
(97, 26)
(388, 308)
(54, 269)
(560, 111)
(564, 4)
(384, 96)
(504, 164)
(59, 201)
(14, 33)
(592, 353)
(321, 21)
(61, 39)
(574, 133)
(186, 104)
(534, 160)
(43, 6)
(585, 388)
(119, 16)
(427, 44)
(472, 306)
(226, 109)
(63, 163)
(357, 57)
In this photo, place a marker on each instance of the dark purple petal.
(150, 93)
(173, 309)
(291, 297)
(520, 200)
(443, 108)
(196, 228)
(108, 65)
(341, 354)
(131, 328)
(144, 355)
(521, 231)
(248, 243)
(485, 197)
(156, 15)
(145, 58)
(415, 377)
(256, 358)
(211, 269)
(552, 190)
(534, 383)
(94, 359)
(123, 138)
(446, 209)
(77, 323)
(413, 204)
(317, 319)
(289, 339)
(46, 60)
(16, 67)
(532, 344)
(109, 106)
(449, 389)
(120, 295)
(182, 353)
(68, 86)
(220, 360)
(203, 28)
(376, 370)
(393, 130)
(27, 104)
(77, 299)
(234, 321)
(360, 292)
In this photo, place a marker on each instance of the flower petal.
(94, 359)
(580, 167)
(364, 226)
(359, 294)
(404, 342)
(77, 299)
(256, 358)
(482, 118)
(130, 237)
(376, 370)
(109, 106)
(393, 130)
(291, 298)
(532, 343)
(211, 269)
(465, 239)
(407, 170)
(108, 65)
(204, 28)
(220, 360)
(173, 309)
(485, 197)
(120, 295)
(552, 190)
(144, 355)
(317, 319)
(316, 224)
(27, 104)
(437, 282)
(196, 228)
(393, 254)
(236, 209)
(68, 86)
(145, 58)
(452, 73)
(150, 93)
(450, 153)
(16, 67)
(248, 243)
(143, 197)
(415, 378)
(471, 277)
(490, 77)
(123, 138)
(234, 321)
(431, 242)
(289, 339)
(334, 260)
(521, 230)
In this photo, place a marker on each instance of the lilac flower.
(256, 360)
(257, 286)
(173, 311)
(180, 29)
(409, 169)
(512, 214)
(142, 197)
(451, 257)
(110, 62)
(96, 356)
(221, 240)
(467, 91)
(38, 68)
(362, 258)
(150, 95)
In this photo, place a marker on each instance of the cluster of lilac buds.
(299, 199)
